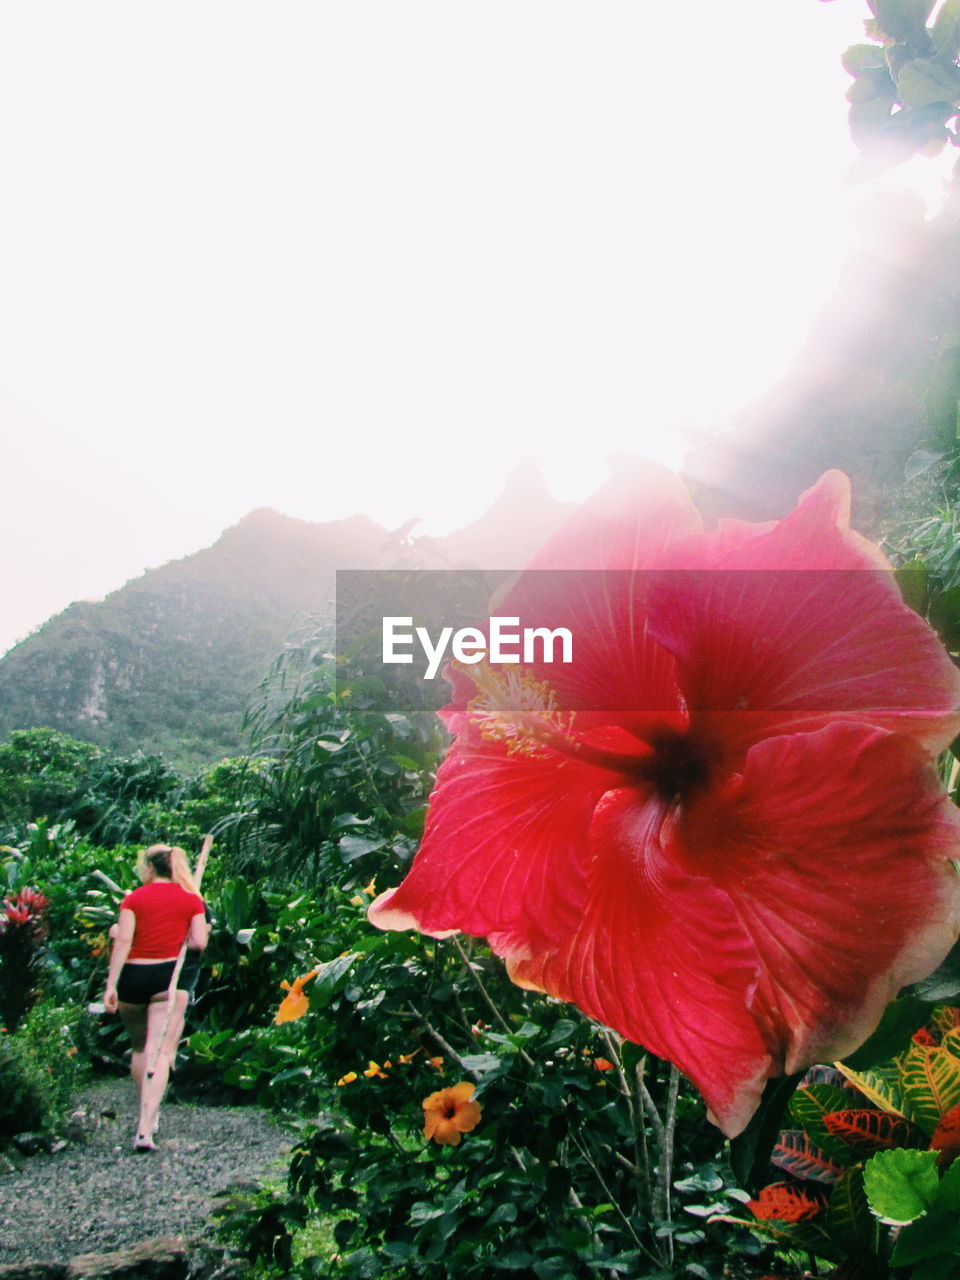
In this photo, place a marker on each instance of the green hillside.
(167, 663)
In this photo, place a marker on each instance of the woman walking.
(155, 921)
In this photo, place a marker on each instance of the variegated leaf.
(931, 1080)
(881, 1085)
(867, 1130)
(810, 1103)
(947, 1018)
(797, 1155)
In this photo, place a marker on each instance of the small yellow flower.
(408, 1057)
(448, 1113)
(294, 1004)
(370, 889)
(436, 1063)
(347, 1079)
(375, 1070)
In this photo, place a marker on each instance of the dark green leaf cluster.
(906, 88)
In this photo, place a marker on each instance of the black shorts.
(138, 982)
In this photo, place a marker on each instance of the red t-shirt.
(163, 913)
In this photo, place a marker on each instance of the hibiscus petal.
(503, 849)
(627, 524)
(591, 578)
(660, 956)
(791, 626)
(835, 849)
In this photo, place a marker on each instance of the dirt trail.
(98, 1194)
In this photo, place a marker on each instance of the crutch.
(172, 989)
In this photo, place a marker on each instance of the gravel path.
(98, 1194)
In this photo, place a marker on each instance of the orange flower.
(603, 1064)
(374, 1069)
(370, 889)
(409, 1057)
(450, 1112)
(295, 1004)
(347, 1079)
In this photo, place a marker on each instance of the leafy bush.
(41, 1066)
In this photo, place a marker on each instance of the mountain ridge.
(166, 662)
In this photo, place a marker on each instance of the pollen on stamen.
(511, 705)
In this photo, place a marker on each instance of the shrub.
(40, 1069)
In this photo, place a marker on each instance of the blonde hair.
(170, 862)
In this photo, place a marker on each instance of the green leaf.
(291, 1073)
(904, 20)
(945, 32)
(503, 1213)
(705, 1178)
(848, 1219)
(423, 1212)
(925, 81)
(943, 983)
(864, 57)
(901, 1185)
(810, 1104)
(942, 395)
(948, 1197)
(563, 1031)
(487, 1065)
(936, 1269)
(935, 1235)
(353, 846)
(328, 979)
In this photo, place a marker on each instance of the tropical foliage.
(446, 1122)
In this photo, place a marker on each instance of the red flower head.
(718, 831)
(26, 909)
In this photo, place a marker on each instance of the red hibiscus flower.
(719, 830)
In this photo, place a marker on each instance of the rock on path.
(98, 1195)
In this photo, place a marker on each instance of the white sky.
(366, 255)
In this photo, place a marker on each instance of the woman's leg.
(134, 1019)
(158, 1056)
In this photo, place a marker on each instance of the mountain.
(167, 662)
(875, 386)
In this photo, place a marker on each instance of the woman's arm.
(118, 956)
(198, 933)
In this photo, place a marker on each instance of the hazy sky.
(365, 256)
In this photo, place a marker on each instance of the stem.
(608, 1194)
(644, 1094)
(488, 999)
(447, 1048)
(615, 1049)
(665, 1170)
